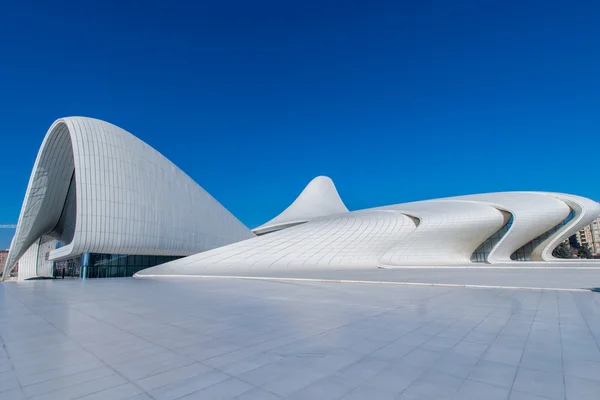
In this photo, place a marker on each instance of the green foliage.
(584, 252)
(563, 250)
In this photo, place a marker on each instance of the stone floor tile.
(328, 388)
(494, 373)
(224, 390)
(13, 394)
(549, 384)
(9, 384)
(503, 354)
(474, 390)
(82, 389)
(307, 339)
(263, 374)
(582, 369)
(434, 385)
(171, 376)
(536, 359)
(366, 391)
(518, 395)
(293, 381)
(123, 392)
(582, 389)
(191, 385)
(67, 381)
(257, 394)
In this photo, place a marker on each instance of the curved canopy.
(97, 188)
(318, 199)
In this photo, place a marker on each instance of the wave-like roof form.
(493, 228)
(97, 188)
(318, 199)
(533, 214)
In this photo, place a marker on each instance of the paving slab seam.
(349, 281)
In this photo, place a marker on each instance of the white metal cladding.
(433, 233)
(28, 262)
(129, 198)
(319, 198)
(46, 192)
(585, 210)
(448, 233)
(358, 238)
(34, 262)
(533, 214)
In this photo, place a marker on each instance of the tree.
(563, 250)
(584, 252)
(573, 242)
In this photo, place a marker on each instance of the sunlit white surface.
(318, 199)
(435, 233)
(97, 188)
(230, 339)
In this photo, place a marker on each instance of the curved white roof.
(440, 232)
(318, 199)
(533, 214)
(585, 211)
(97, 188)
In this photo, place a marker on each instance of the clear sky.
(395, 101)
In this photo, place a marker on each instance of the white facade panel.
(441, 232)
(129, 199)
(28, 262)
(533, 214)
(96, 188)
(585, 211)
(318, 199)
(448, 233)
(354, 239)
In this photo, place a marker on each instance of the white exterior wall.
(585, 210)
(129, 198)
(319, 198)
(441, 232)
(533, 214)
(448, 233)
(595, 227)
(28, 263)
(44, 263)
(356, 239)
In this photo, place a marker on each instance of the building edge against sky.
(101, 198)
(96, 189)
(504, 229)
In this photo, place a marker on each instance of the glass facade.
(524, 253)
(68, 268)
(121, 265)
(483, 251)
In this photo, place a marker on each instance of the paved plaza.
(216, 338)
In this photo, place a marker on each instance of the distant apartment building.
(3, 258)
(589, 236)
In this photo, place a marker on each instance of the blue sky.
(395, 101)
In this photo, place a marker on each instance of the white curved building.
(102, 199)
(96, 189)
(493, 228)
(319, 198)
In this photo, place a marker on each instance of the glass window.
(116, 272)
(114, 260)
